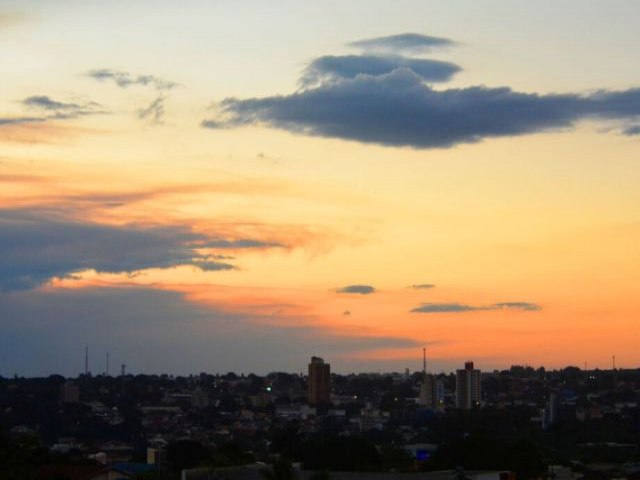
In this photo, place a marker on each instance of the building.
(550, 412)
(69, 393)
(428, 391)
(468, 388)
(319, 381)
(429, 387)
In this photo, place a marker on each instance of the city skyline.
(239, 186)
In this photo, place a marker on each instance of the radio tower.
(107, 370)
(86, 360)
(424, 361)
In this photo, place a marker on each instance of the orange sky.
(292, 238)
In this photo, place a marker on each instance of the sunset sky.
(238, 185)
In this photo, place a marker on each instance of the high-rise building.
(428, 386)
(468, 389)
(319, 381)
(69, 392)
(428, 391)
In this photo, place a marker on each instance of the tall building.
(428, 391)
(69, 392)
(319, 381)
(428, 387)
(468, 389)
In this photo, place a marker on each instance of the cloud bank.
(45, 332)
(37, 246)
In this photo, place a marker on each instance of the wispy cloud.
(125, 79)
(58, 110)
(461, 307)
(357, 289)
(422, 286)
(154, 111)
(43, 109)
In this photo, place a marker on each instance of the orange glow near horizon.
(522, 245)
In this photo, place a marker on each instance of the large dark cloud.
(385, 98)
(404, 42)
(332, 68)
(398, 109)
(357, 289)
(461, 307)
(45, 332)
(38, 245)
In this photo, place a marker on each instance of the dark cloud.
(515, 305)
(38, 245)
(45, 331)
(358, 289)
(632, 130)
(385, 100)
(240, 244)
(49, 109)
(460, 307)
(214, 124)
(332, 68)
(8, 121)
(154, 111)
(404, 42)
(346, 313)
(422, 286)
(56, 109)
(126, 79)
(444, 307)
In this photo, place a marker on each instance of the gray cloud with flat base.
(461, 307)
(398, 109)
(357, 289)
(404, 42)
(332, 68)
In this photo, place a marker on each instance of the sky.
(214, 186)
